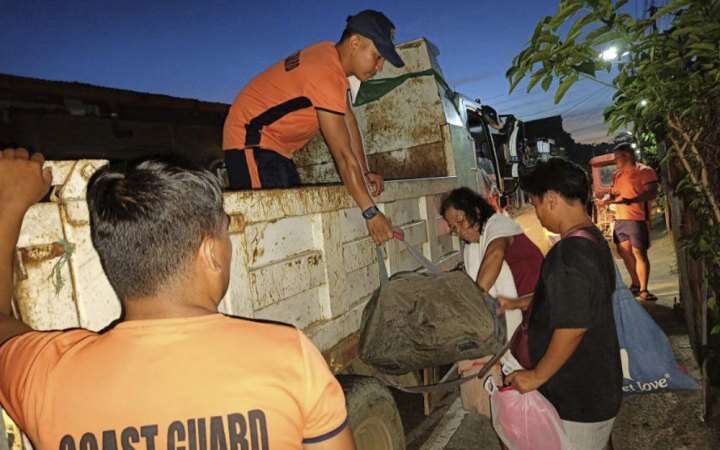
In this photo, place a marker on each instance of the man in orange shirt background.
(634, 187)
(173, 373)
(280, 110)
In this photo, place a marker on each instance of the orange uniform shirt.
(203, 383)
(277, 109)
(629, 183)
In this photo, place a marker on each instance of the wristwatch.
(370, 212)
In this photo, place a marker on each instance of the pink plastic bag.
(526, 421)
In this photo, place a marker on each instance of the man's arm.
(342, 441)
(22, 183)
(356, 143)
(562, 345)
(335, 132)
(648, 195)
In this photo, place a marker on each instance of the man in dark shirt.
(572, 338)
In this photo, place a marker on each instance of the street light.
(609, 54)
(643, 103)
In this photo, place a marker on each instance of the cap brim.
(390, 54)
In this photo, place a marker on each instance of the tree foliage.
(667, 86)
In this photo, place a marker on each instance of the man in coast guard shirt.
(280, 110)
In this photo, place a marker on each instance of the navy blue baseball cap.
(375, 26)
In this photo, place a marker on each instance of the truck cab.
(603, 168)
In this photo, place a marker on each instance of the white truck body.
(301, 256)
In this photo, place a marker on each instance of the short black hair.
(148, 220)
(476, 208)
(559, 175)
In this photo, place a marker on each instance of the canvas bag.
(419, 320)
(648, 363)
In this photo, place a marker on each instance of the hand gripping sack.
(526, 421)
(419, 320)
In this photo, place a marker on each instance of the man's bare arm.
(563, 344)
(356, 143)
(22, 183)
(335, 132)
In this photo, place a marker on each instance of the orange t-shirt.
(629, 183)
(276, 110)
(208, 382)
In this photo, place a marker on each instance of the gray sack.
(419, 320)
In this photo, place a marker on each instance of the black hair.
(625, 148)
(148, 220)
(559, 175)
(476, 208)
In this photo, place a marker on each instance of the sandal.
(635, 289)
(647, 296)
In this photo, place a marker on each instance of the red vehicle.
(603, 168)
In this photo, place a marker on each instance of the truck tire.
(374, 417)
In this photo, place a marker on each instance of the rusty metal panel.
(352, 224)
(96, 300)
(409, 116)
(44, 288)
(358, 254)
(237, 299)
(422, 161)
(75, 185)
(300, 310)
(275, 282)
(403, 211)
(272, 241)
(360, 284)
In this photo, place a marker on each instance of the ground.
(670, 420)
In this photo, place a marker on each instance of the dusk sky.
(208, 50)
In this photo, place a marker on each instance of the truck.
(602, 169)
(302, 255)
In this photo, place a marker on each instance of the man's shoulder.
(270, 331)
(646, 171)
(577, 253)
(39, 340)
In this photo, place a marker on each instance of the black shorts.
(635, 231)
(258, 168)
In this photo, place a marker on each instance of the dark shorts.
(635, 231)
(258, 168)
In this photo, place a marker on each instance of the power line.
(588, 127)
(545, 111)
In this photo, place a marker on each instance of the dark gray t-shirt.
(575, 291)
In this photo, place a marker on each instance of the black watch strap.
(370, 212)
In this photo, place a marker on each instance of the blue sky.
(208, 50)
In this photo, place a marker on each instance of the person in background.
(634, 186)
(572, 336)
(280, 110)
(173, 373)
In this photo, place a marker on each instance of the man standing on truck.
(281, 109)
(173, 373)
(634, 187)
